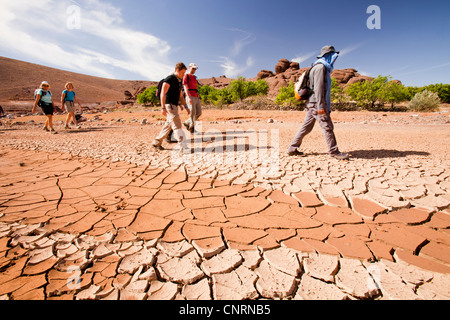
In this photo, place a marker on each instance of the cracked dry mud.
(98, 214)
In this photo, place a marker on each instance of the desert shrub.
(206, 93)
(286, 97)
(257, 88)
(217, 97)
(238, 90)
(148, 97)
(370, 95)
(393, 92)
(443, 90)
(339, 100)
(425, 101)
(364, 93)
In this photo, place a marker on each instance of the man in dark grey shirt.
(318, 106)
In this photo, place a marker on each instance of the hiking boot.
(46, 129)
(169, 139)
(340, 156)
(295, 153)
(67, 127)
(52, 131)
(157, 146)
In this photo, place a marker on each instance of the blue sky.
(143, 40)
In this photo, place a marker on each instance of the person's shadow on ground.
(383, 153)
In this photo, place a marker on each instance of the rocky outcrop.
(358, 78)
(128, 95)
(264, 74)
(282, 66)
(133, 96)
(343, 76)
(216, 82)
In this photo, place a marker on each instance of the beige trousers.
(196, 112)
(173, 122)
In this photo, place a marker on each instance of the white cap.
(193, 66)
(44, 83)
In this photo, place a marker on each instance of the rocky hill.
(19, 80)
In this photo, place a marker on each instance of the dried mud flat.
(97, 213)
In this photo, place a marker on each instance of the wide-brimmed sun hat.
(325, 50)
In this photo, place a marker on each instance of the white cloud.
(364, 73)
(349, 49)
(242, 42)
(314, 54)
(304, 57)
(230, 67)
(102, 45)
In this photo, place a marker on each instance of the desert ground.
(97, 213)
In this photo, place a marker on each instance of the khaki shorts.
(70, 106)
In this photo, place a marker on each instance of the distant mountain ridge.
(19, 79)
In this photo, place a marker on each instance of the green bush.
(240, 89)
(370, 95)
(237, 91)
(425, 101)
(148, 97)
(260, 87)
(339, 100)
(286, 97)
(443, 90)
(211, 95)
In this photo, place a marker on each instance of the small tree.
(443, 90)
(338, 96)
(425, 101)
(286, 96)
(237, 89)
(393, 92)
(205, 93)
(260, 87)
(379, 90)
(363, 93)
(148, 96)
